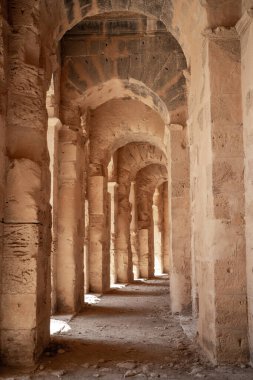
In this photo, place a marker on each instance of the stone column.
(218, 196)
(145, 235)
(86, 249)
(69, 259)
(158, 229)
(165, 235)
(123, 246)
(134, 231)
(25, 298)
(3, 110)
(113, 189)
(99, 258)
(180, 259)
(54, 125)
(245, 29)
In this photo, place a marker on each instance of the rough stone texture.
(245, 28)
(26, 230)
(218, 244)
(155, 60)
(54, 125)
(134, 84)
(99, 257)
(69, 257)
(180, 254)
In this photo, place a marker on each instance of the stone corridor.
(126, 152)
(129, 332)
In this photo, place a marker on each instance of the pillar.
(123, 246)
(54, 125)
(25, 298)
(158, 229)
(134, 231)
(112, 188)
(69, 258)
(99, 257)
(165, 235)
(180, 258)
(245, 29)
(3, 106)
(218, 225)
(86, 249)
(145, 234)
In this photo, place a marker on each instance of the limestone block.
(231, 307)
(232, 348)
(179, 150)
(228, 241)
(229, 275)
(68, 151)
(143, 236)
(96, 196)
(18, 347)
(228, 176)
(179, 291)
(68, 172)
(20, 311)
(22, 241)
(24, 201)
(19, 275)
(227, 140)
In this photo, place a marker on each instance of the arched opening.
(135, 88)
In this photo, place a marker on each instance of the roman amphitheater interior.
(126, 189)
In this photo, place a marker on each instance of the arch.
(151, 177)
(122, 121)
(68, 13)
(136, 156)
(116, 88)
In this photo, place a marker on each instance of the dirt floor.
(128, 332)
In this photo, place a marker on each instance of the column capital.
(244, 23)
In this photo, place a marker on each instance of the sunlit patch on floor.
(58, 326)
(118, 286)
(92, 299)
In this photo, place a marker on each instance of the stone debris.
(126, 365)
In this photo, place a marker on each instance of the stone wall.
(245, 29)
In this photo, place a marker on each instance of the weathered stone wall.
(245, 29)
(180, 257)
(217, 197)
(26, 246)
(69, 259)
(3, 110)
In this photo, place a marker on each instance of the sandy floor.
(129, 332)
